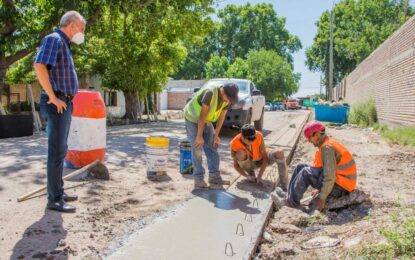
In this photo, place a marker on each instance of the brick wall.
(177, 100)
(387, 76)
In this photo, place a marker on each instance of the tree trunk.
(131, 104)
(147, 108)
(155, 110)
(140, 109)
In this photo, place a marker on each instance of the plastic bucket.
(186, 158)
(157, 151)
(88, 132)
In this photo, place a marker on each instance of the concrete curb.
(270, 208)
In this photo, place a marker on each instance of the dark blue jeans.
(57, 130)
(304, 176)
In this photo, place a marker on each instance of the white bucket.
(157, 153)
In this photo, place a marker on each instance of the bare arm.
(265, 162)
(200, 125)
(238, 168)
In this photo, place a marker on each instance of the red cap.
(313, 127)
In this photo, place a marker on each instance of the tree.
(238, 69)
(216, 67)
(272, 74)
(239, 30)
(24, 23)
(136, 48)
(360, 26)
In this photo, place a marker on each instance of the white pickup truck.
(250, 107)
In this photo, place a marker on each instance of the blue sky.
(301, 16)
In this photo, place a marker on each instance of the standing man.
(333, 173)
(249, 153)
(209, 105)
(56, 73)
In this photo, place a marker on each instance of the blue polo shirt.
(55, 52)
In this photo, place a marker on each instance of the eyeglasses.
(251, 138)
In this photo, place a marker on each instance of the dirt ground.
(106, 210)
(385, 171)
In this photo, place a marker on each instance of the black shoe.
(61, 206)
(67, 197)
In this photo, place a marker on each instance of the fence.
(387, 76)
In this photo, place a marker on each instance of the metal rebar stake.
(250, 217)
(242, 229)
(228, 244)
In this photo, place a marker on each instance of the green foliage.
(24, 23)
(238, 69)
(216, 67)
(135, 48)
(22, 71)
(399, 135)
(364, 114)
(252, 27)
(360, 26)
(272, 74)
(239, 30)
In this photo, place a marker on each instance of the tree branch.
(17, 56)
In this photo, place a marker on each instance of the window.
(110, 98)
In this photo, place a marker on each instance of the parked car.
(278, 106)
(250, 107)
(292, 104)
(268, 107)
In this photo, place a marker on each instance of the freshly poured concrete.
(202, 228)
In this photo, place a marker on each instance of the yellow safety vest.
(193, 109)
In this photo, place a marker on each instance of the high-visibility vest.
(346, 171)
(255, 154)
(193, 109)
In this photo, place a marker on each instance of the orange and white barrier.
(88, 132)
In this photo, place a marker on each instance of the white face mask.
(78, 38)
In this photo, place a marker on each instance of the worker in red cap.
(332, 174)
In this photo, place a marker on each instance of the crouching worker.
(333, 173)
(249, 153)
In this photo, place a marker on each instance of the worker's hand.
(315, 193)
(216, 141)
(60, 105)
(320, 204)
(259, 180)
(199, 142)
(251, 178)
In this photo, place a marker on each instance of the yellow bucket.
(157, 153)
(157, 141)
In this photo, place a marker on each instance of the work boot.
(200, 184)
(280, 192)
(67, 197)
(279, 203)
(219, 181)
(61, 206)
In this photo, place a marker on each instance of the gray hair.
(71, 16)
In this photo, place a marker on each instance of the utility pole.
(329, 94)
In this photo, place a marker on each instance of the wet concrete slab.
(214, 224)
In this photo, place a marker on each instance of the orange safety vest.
(255, 154)
(346, 171)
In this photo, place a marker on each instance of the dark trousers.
(57, 130)
(304, 176)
